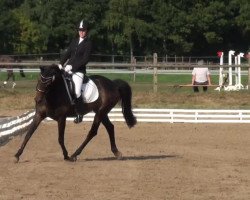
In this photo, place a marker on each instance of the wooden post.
(166, 60)
(113, 59)
(134, 67)
(155, 72)
(248, 57)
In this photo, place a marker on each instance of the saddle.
(89, 89)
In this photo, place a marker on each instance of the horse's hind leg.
(110, 129)
(36, 121)
(61, 130)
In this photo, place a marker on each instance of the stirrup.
(78, 119)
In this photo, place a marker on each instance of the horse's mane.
(51, 70)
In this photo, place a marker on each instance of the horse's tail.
(126, 97)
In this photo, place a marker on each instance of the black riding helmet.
(83, 26)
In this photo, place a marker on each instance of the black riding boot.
(79, 110)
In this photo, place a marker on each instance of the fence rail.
(155, 66)
(19, 124)
(158, 65)
(180, 116)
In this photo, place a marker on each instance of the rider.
(76, 57)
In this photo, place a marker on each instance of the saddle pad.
(89, 92)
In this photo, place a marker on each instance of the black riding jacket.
(78, 55)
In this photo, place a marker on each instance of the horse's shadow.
(137, 158)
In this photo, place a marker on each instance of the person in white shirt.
(200, 76)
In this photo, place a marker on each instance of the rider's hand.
(59, 66)
(68, 68)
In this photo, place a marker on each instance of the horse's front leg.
(61, 130)
(92, 133)
(36, 121)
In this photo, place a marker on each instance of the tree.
(30, 38)
(8, 26)
(125, 24)
(138, 27)
(243, 21)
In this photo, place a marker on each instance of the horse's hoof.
(118, 155)
(70, 159)
(73, 158)
(67, 158)
(16, 159)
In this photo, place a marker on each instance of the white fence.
(180, 116)
(14, 125)
(11, 126)
(127, 71)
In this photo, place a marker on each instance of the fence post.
(134, 67)
(112, 58)
(155, 72)
(248, 57)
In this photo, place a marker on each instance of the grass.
(22, 97)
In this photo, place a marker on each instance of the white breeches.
(78, 79)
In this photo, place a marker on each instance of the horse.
(52, 101)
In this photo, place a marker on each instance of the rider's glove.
(59, 66)
(68, 68)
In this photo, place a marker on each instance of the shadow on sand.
(148, 157)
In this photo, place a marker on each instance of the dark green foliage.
(131, 27)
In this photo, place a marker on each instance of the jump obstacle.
(237, 64)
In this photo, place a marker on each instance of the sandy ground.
(161, 161)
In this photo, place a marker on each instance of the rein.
(45, 81)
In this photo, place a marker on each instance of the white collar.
(80, 40)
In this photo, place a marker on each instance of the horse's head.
(47, 76)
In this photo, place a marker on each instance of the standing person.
(200, 76)
(76, 58)
(18, 60)
(10, 73)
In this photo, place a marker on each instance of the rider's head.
(83, 26)
(83, 29)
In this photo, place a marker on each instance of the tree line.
(131, 27)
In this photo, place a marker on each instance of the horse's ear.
(55, 66)
(41, 68)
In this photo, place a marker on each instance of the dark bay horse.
(52, 101)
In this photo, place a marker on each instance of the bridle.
(45, 81)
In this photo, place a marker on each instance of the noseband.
(45, 81)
